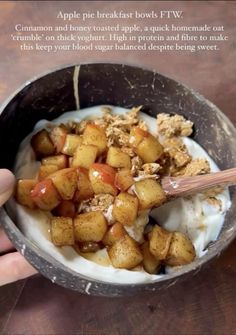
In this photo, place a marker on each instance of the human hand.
(13, 265)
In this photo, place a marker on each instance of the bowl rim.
(9, 226)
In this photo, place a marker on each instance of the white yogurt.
(194, 216)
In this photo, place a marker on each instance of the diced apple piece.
(150, 193)
(85, 190)
(125, 208)
(65, 181)
(114, 234)
(137, 135)
(181, 250)
(42, 144)
(102, 177)
(125, 253)
(62, 231)
(85, 156)
(124, 180)
(72, 142)
(149, 150)
(59, 160)
(45, 195)
(159, 242)
(66, 208)
(150, 262)
(23, 189)
(117, 158)
(46, 170)
(146, 146)
(58, 137)
(95, 135)
(90, 226)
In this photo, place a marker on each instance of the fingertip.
(7, 182)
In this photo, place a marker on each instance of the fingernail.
(7, 180)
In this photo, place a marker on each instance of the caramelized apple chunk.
(125, 253)
(146, 146)
(58, 160)
(95, 135)
(23, 192)
(45, 195)
(66, 209)
(65, 181)
(125, 208)
(42, 144)
(85, 156)
(124, 180)
(181, 250)
(114, 234)
(72, 142)
(46, 170)
(62, 231)
(159, 239)
(85, 190)
(150, 193)
(102, 177)
(58, 137)
(90, 226)
(150, 262)
(117, 158)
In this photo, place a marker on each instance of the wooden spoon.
(182, 186)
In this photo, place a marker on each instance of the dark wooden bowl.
(126, 86)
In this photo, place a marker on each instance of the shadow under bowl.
(53, 94)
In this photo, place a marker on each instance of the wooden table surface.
(205, 304)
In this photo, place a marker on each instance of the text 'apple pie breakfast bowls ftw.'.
(89, 145)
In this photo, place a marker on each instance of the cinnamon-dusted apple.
(90, 227)
(58, 137)
(146, 146)
(85, 190)
(159, 242)
(117, 158)
(124, 180)
(85, 156)
(125, 253)
(60, 161)
(181, 250)
(95, 135)
(65, 181)
(23, 192)
(42, 144)
(150, 263)
(114, 234)
(66, 208)
(62, 231)
(45, 195)
(72, 142)
(102, 177)
(149, 193)
(125, 208)
(46, 170)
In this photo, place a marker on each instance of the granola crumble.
(197, 167)
(100, 202)
(173, 125)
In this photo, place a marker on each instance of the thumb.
(7, 182)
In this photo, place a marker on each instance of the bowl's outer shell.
(125, 86)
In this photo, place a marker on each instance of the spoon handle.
(183, 186)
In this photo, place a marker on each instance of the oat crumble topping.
(173, 125)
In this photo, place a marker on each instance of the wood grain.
(182, 186)
(206, 303)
